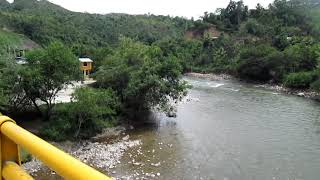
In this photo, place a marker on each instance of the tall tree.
(142, 76)
(47, 72)
(12, 96)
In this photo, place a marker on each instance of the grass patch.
(11, 39)
(25, 156)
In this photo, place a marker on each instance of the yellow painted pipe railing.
(11, 170)
(12, 136)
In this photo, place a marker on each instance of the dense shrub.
(280, 41)
(299, 80)
(277, 65)
(264, 62)
(142, 76)
(90, 111)
(253, 27)
(316, 85)
(46, 73)
(253, 63)
(12, 95)
(301, 57)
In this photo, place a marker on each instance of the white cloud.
(185, 8)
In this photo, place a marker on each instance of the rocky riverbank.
(279, 88)
(302, 93)
(98, 152)
(212, 77)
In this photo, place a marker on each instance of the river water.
(230, 131)
(227, 131)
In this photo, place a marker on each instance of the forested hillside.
(44, 22)
(278, 43)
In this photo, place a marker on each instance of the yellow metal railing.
(12, 136)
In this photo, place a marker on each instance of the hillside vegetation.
(10, 39)
(44, 22)
(139, 59)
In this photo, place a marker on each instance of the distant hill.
(44, 22)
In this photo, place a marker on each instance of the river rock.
(33, 166)
(100, 155)
(213, 77)
(137, 164)
(126, 138)
(156, 164)
(110, 132)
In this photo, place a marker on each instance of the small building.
(18, 53)
(86, 67)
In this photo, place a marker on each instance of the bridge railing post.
(9, 150)
(12, 136)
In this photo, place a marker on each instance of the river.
(230, 131)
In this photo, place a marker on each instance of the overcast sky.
(185, 8)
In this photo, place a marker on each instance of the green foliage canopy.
(90, 111)
(46, 73)
(142, 76)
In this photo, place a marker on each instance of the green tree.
(299, 80)
(234, 14)
(316, 85)
(12, 96)
(301, 57)
(90, 111)
(253, 27)
(93, 109)
(253, 62)
(46, 73)
(142, 76)
(186, 51)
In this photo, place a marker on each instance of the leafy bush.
(253, 27)
(90, 112)
(299, 80)
(46, 73)
(12, 96)
(60, 129)
(316, 85)
(301, 57)
(280, 41)
(142, 76)
(277, 65)
(253, 63)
